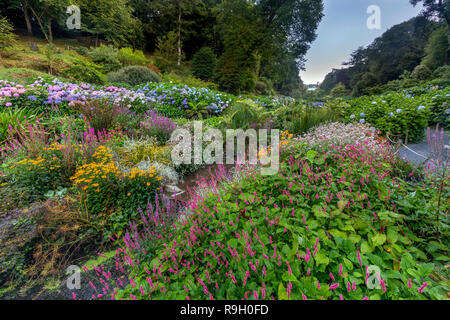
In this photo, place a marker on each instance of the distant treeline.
(410, 52)
(258, 44)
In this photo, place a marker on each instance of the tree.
(18, 5)
(436, 8)
(269, 37)
(177, 10)
(113, 20)
(335, 77)
(166, 55)
(7, 36)
(45, 12)
(437, 49)
(339, 90)
(399, 49)
(421, 72)
(203, 63)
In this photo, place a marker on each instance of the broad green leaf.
(378, 239)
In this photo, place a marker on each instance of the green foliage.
(7, 37)
(189, 80)
(244, 114)
(437, 49)
(117, 26)
(103, 186)
(183, 101)
(400, 48)
(298, 119)
(442, 72)
(339, 90)
(317, 247)
(135, 151)
(85, 71)
(130, 57)
(11, 118)
(421, 72)
(50, 51)
(236, 70)
(397, 113)
(166, 55)
(100, 114)
(203, 63)
(107, 57)
(46, 172)
(133, 75)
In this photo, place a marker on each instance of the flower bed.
(170, 100)
(335, 223)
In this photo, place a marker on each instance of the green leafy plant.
(133, 75)
(305, 233)
(7, 37)
(83, 70)
(130, 57)
(203, 63)
(107, 57)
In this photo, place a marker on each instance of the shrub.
(99, 114)
(107, 57)
(421, 72)
(130, 57)
(203, 63)
(298, 118)
(85, 71)
(7, 37)
(339, 90)
(82, 51)
(261, 87)
(52, 62)
(174, 100)
(43, 163)
(11, 118)
(98, 181)
(305, 233)
(103, 186)
(244, 113)
(189, 80)
(133, 75)
(442, 72)
(134, 152)
(398, 113)
(158, 126)
(139, 189)
(166, 55)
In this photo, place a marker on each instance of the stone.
(34, 46)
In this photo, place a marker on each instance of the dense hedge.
(409, 111)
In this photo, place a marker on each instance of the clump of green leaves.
(7, 37)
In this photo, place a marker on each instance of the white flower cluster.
(338, 133)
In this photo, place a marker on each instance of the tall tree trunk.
(38, 19)
(179, 35)
(49, 26)
(27, 20)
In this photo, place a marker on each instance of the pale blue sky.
(344, 28)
